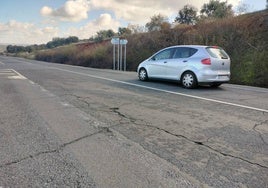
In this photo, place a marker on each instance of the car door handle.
(165, 61)
(184, 61)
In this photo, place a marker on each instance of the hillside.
(245, 38)
(2, 48)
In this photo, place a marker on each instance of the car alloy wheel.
(143, 74)
(189, 80)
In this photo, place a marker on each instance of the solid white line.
(1, 63)
(19, 75)
(166, 91)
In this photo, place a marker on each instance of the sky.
(38, 21)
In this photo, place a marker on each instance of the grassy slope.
(245, 38)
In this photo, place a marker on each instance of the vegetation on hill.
(56, 42)
(96, 55)
(244, 37)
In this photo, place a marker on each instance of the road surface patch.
(166, 91)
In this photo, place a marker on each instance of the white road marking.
(31, 82)
(1, 63)
(18, 76)
(11, 74)
(166, 91)
(5, 71)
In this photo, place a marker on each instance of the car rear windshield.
(217, 52)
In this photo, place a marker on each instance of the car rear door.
(180, 60)
(157, 64)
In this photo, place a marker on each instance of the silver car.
(191, 65)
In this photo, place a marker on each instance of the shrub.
(244, 38)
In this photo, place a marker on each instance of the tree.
(136, 28)
(61, 41)
(187, 15)
(123, 31)
(156, 22)
(104, 34)
(16, 49)
(71, 39)
(217, 9)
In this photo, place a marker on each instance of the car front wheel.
(189, 80)
(143, 75)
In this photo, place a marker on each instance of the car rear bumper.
(222, 78)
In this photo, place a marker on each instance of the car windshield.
(217, 52)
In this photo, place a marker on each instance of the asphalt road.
(66, 126)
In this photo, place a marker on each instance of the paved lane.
(124, 132)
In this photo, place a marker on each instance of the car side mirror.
(153, 58)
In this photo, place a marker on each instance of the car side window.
(166, 54)
(184, 52)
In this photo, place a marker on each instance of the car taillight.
(206, 61)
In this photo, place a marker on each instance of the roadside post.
(124, 42)
(114, 41)
(119, 44)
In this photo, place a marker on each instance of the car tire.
(188, 80)
(143, 76)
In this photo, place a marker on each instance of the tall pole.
(118, 56)
(125, 58)
(121, 56)
(113, 56)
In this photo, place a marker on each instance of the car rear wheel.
(189, 80)
(143, 74)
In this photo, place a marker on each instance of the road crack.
(122, 116)
(134, 121)
(59, 148)
(81, 99)
(259, 133)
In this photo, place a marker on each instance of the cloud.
(140, 11)
(46, 11)
(104, 22)
(14, 32)
(123, 11)
(137, 11)
(72, 10)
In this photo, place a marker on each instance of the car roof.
(193, 46)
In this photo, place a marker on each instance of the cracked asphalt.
(64, 126)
